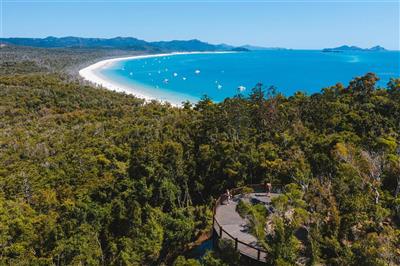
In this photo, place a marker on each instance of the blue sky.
(293, 24)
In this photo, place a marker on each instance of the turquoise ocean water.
(188, 77)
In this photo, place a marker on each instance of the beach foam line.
(91, 74)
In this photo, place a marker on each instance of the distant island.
(345, 48)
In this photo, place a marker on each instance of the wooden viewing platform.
(228, 224)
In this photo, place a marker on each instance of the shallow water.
(191, 76)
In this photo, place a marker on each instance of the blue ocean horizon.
(177, 78)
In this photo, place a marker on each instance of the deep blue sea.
(180, 77)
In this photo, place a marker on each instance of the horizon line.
(192, 39)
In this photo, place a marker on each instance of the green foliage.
(89, 176)
(256, 216)
(181, 261)
(290, 215)
(246, 190)
(243, 208)
(210, 259)
(227, 252)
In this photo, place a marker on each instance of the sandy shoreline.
(90, 74)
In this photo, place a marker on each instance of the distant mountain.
(76, 42)
(226, 46)
(258, 48)
(116, 43)
(377, 48)
(240, 49)
(345, 48)
(191, 45)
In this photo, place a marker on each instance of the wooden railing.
(243, 248)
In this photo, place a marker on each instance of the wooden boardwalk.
(235, 227)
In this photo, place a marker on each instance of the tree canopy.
(94, 177)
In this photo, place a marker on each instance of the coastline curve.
(91, 74)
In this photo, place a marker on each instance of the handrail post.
(213, 232)
(236, 243)
(258, 254)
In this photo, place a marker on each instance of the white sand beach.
(91, 73)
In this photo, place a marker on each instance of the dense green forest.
(93, 177)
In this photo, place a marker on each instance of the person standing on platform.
(268, 188)
(228, 196)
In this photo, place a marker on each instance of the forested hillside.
(93, 177)
(126, 43)
(29, 60)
